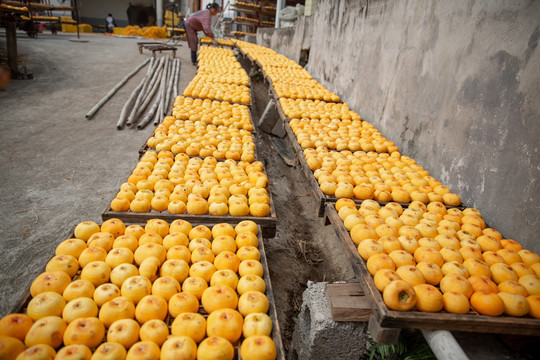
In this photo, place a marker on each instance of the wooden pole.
(144, 92)
(172, 96)
(147, 79)
(168, 91)
(148, 97)
(11, 40)
(77, 17)
(123, 115)
(122, 120)
(160, 110)
(163, 90)
(150, 114)
(176, 79)
(115, 89)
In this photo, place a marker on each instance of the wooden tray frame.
(230, 102)
(144, 148)
(218, 45)
(317, 192)
(267, 223)
(471, 322)
(21, 305)
(276, 97)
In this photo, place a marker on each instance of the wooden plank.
(382, 335)
(470, 322)
(11, 42)
(348, 246)
(348, 302)
(269, 117)
(268, 224)
(275, 96)
(312, 182)
(358, 202)
(272, 311)
(281, 112)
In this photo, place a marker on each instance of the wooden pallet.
(385, 319)
(21, 305)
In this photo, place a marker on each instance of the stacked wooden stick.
(160, 85)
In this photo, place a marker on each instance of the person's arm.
(206, 21)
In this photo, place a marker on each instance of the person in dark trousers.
(199, 21)
(110, 24)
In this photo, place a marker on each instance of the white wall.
(61, 3)
(98, 9)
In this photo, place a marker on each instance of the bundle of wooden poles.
(158, 87)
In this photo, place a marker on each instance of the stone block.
(317, 337)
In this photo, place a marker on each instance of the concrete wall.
(455, 84)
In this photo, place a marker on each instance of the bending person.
(199, 21)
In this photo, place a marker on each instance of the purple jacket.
(199, 21)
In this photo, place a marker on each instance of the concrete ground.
(58, 168)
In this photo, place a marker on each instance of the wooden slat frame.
(471, 322)
(267, 223)
(21, 304)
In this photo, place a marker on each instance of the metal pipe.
(159, 13)
(444, 345)
(115, 89)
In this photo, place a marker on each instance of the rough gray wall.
(455, 84)
(288, 41)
